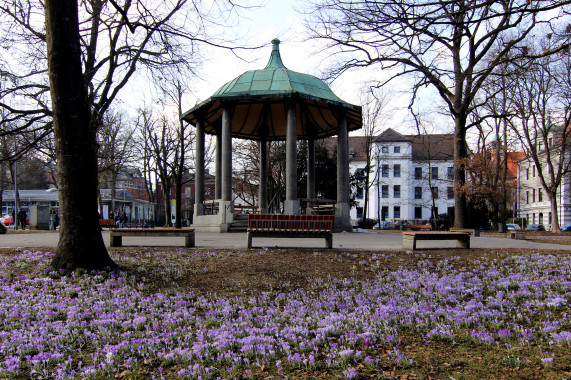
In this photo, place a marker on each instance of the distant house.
(136, 209)
(28, 198)
(534, 205)
(411, 176)
(414, 176)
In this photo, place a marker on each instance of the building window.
(527, 173)
(359, 192)
(450, 193)
(396, 170)
(385, 170)
(396, 212)
(397, 191)
(434, 173)
(540, 218)
(359, 212)
(417, 173)
(434, 191)
(418, 212)
(527, 197)
(450, 172)
(539, 196)
(533, 195)
(385, 149)
(384, 213)
(397, 149)
(533, 171)
(418, 193)
(385, 191)
(351, 152)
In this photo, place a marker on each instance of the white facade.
(402, 178)
(534, 203)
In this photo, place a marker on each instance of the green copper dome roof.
(276, 79)
(259, 98)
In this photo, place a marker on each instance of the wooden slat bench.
(106, 222)
(418, 227)
(409, 239)
(473, 231)
(116, 236)
(291, 226)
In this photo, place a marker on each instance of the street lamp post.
(16, 206)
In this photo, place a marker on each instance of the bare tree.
(374, 103)
(182, 159)
(452, 46)
(80, 243)
(543, 104)
(115, 138)
(104, 46)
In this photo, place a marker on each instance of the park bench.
(116, 235)
(409, 239)
(472, 231)
(245, 209)
(418, 227)
(291, 226)
(106, 223)
(517, 234)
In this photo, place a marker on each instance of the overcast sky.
(280, 19)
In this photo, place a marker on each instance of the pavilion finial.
(275, 59)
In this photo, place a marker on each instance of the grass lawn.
(297, 314)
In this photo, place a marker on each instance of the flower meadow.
(510, 313)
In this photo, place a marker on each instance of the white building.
(534, 204)
(412, 177)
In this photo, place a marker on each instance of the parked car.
(384, 226)
(367, 223)
(535, 227)
(513, 226)
(7, 220)
(566, 227)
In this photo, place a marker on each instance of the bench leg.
(463, 243)
(409, 242)
(189, 240)
(329, 241)
(249, 236)
(116, 240)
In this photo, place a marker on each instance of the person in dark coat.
(22, 218)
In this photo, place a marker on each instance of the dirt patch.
(238, 271)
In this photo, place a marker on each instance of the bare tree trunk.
(460, 152)
(80, 244)
(178, 203)
(554, 215)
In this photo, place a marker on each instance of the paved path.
(371, 241)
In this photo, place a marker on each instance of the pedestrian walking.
(123, 219)
(55, 219)
(22, 218)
